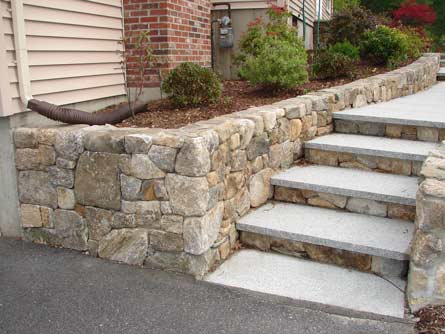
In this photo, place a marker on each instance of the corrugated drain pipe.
(51, 111)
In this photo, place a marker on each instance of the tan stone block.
(368, 161)
(426, 249)
(213, 179)
(430, 212)
(428, 134)
(417, 284)
(224, 249)
(409, 132)
(47, 136)
(66, 198)
(416, 167)
(36, 216)
(325, 130)
(288, 247)
(233, 183)
(343, 157)
(255, 240)
(342, 258)
(288, 195)
(337, 200)
(307, 123)
(442, 134)
(148, 191)
(260, 189)
(354, 164)
(402, 167)
(404, 212)
(295, 129)
(320, 202)
(393, 131)
(308, 193)
(235, 141)
(323, 157)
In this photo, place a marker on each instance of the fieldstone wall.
(426, 280)
(170, 198)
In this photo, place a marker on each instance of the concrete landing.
(375, 146)
(422, 109)
(351, 182)
(312, 284)
(389, 238)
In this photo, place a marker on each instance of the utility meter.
(225, 33)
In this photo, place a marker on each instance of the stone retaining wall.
(170, 198)
(426, 280)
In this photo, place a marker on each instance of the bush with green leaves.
(350, 23)
(272, 55)
(280, 66)
(385, 46)
(190, 85)
(417, 41)
(347, 49)
(331, 65)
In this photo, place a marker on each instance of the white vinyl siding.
(71, 47)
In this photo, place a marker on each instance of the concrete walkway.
(45, 290)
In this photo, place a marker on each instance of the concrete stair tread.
(384, 237)
(312, 284)
(350, 182)
(375, 146)
(421, 109)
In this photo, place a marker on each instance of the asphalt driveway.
(46, 290)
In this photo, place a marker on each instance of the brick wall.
(179, 30)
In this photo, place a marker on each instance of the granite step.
(414, 117)
(349, 183)
(311, 284)
(398, 156)
(383, 237)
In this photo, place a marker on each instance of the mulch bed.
(237, 96)
(432, 320)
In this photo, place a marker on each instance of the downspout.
(318, 25)
(21, 51)
(304, 22)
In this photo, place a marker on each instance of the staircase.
(337, 233)
(441, 73)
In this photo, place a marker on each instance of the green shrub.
(330, 65)
(192, 85)
(385, 46)
(417, 41)
(347, 49)
(272, 54)
(281, 65)
(350, 24)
